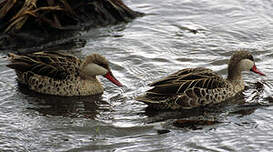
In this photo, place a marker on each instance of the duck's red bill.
(254, 69)
(111, 78)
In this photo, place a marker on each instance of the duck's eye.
(251, 58)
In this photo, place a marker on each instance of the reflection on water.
(75, 107)
(173, 35)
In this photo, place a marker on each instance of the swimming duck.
(61, 74)
(195, 87)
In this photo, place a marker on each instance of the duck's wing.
(51, 64)
(179, 82)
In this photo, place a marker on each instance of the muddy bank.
(32, 23)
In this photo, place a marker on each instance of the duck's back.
(187, 88)
(51, 64)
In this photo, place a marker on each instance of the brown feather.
(182, 80)
(51, 64)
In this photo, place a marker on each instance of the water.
(173, 35)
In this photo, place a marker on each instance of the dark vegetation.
(31, 23)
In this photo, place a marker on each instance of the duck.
(61, 74)
(196, 87)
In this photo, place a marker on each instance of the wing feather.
(185, 79)
(51, 64)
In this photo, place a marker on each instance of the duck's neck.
(234, 74)
(235, 78)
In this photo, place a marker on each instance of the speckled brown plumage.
(57, 73)
(194, 87)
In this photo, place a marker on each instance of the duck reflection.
(78, 106)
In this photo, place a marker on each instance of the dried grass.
(59, 14)
(29, 8)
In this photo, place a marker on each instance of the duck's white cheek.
(94, 69)
(246, 64)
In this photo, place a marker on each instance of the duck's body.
(194, 87)
(61, 74)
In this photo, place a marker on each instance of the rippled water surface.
(174, 34)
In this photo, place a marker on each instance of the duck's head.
(242, 61)
(96, 64)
